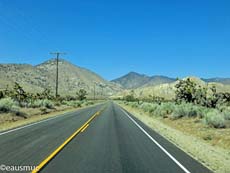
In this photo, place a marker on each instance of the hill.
(71, 78)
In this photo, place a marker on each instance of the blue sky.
(112, 37)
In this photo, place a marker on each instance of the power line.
(57, 61)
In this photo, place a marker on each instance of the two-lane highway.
(114, 141)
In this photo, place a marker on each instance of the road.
(113, 141)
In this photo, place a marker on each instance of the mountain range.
(135, 80)
(72, 78)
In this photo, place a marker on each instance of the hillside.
(71, 78)
(135, 80)
(167, 90)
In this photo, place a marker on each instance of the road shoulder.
(216, 159)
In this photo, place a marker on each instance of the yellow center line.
(56, 151)
(87, 125)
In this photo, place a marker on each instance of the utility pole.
(57, 61)
(94, 91)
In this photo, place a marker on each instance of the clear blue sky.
(112, 37)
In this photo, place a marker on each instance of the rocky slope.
(71, 78)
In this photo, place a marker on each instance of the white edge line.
(162, 148)
(32, 124)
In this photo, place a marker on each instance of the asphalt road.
(114, 141)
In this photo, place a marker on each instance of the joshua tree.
(81, 94)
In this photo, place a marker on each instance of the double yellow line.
(55, 152)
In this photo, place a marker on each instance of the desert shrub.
(167, 107)
(178, 112)
(134, 104)
(47, 103)
(43, 110)
(7, 105)
(215, 119)
(73, 103)
(42, 103)
(67, 103)
(164, 109)
(201, 111)
(148, 107)
(20, 114)
(225, 110)
(189, 110)
(89, 103)
(226, 114)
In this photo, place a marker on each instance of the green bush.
(167, 108)
(148, 107)
(89, 103)
(178, 112)
(73, 103)
(164, 109)
(226, 114)
(215, 119)
(42, 103)
(225, 110)
(134, 104)
(188, 110)
(7, 105)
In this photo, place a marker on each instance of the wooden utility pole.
(94, 90)
(57, 61)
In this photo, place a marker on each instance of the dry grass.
(209, 146)
(9, 120)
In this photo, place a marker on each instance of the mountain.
(71, 78)
(225, 81)
(134, 80)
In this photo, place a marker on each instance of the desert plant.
(19, 94)
(148, 107)
(164, 109)
(42, 103)
(215, 119)
(2, 94)
(185, 90)
(134, 104)
(81, 94)
(72, 103)
(178, 112)
(226, 114)
(7, 105)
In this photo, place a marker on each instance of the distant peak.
(133, 73)
(53, 60)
